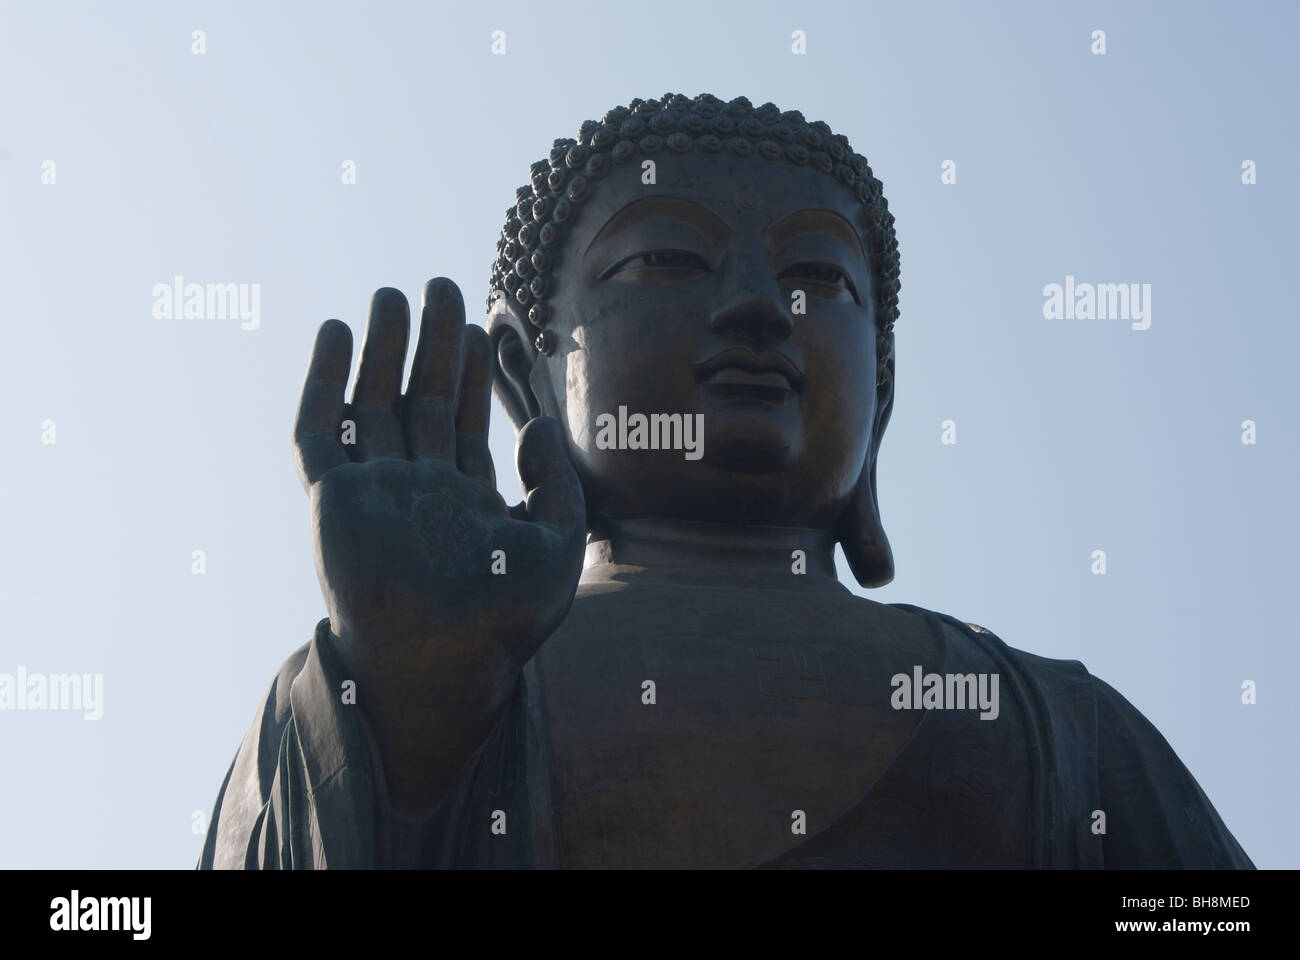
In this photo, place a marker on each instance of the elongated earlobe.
(860, 531)
(862, 535)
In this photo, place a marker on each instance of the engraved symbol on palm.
(447, 524)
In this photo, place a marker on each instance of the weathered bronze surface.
(650, 662)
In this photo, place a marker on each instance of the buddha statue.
(650, 661)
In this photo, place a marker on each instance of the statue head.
(731, 265)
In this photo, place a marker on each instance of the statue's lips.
(734, 376)
(739, 367)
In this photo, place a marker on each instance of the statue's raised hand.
(437, 592)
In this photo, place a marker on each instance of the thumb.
(552, 491)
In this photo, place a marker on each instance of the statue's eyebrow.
(824, 222)
(661, 207)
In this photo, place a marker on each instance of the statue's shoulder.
(1060, 685)
(1052, 675)
(965, 634)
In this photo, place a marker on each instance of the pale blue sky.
(1078, 435)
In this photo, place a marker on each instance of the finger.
(474, 407)
(383, 355)
(551, 487)
(379, 377)
(317, 446)
(431, 395)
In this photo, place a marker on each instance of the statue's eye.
(660, 266)
(674, 260)
(823, 279)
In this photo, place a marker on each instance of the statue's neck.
(713, 554)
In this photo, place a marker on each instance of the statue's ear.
(860, 531)
(515, 356)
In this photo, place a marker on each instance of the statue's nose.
(753, 306)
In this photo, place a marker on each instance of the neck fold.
(713, 554)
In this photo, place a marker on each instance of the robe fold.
(306, 789)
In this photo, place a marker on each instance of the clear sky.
(172, 435)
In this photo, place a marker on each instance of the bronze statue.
(650, 661)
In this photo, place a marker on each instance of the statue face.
(734, 292)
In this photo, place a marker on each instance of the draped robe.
(582, 771)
